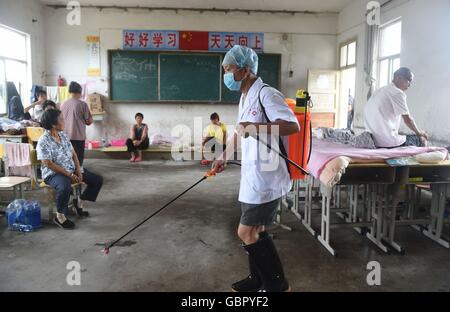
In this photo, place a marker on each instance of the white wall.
(311, 44)
(19, 14)
(425, 49)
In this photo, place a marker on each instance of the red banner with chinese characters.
(166, 40)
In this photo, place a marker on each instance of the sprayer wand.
(283, 156)
(207, 175)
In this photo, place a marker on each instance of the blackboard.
(150, 76)
(189, 77)
(134, 76)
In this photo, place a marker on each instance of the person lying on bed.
(386, 108)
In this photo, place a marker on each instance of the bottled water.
(22, 227)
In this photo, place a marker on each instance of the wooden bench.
(152, 152)
(150, 149)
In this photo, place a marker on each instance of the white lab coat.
(383, 114)
(264, 174)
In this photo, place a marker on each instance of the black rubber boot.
(266, 258)
(252, 283)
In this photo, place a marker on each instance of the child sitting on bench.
(138, 140)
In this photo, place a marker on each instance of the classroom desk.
(4, 138)
(15, 183)
(370, 208)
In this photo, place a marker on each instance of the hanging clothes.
(52, 94)
(63, 94)
(15, 109)
(18, 159)
(11, 91)
(34, 93)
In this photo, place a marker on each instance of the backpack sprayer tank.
(300, 143)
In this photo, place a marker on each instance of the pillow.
(333, 171)
(431, 158)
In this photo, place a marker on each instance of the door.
(323, 86)
(347, 95)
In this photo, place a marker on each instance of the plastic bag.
(23, 215)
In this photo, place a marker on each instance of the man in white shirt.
(264, 175)
(386, 108)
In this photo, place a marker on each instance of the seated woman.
(61, 168)
(138, 140)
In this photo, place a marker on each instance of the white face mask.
(230, 82)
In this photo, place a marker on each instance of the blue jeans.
(63, 188)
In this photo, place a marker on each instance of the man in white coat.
(385, 110)
(265, 176)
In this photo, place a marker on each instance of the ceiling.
(288, 5)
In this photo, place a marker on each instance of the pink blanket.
(323, 152)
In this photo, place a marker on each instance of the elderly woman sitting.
(61, 169)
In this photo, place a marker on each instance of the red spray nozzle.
(210, 173)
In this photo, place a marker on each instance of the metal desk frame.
(371, 207)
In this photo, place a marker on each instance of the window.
(348, 84)
(14, 64)
(348, 55)
(389, 50)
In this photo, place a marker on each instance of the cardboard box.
(95, 103)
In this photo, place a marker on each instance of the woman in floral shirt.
(61, 168)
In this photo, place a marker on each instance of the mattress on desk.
(330, 160)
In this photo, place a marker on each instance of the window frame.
(347, 44)
(391, 58)
(3, 109)
(27, 62)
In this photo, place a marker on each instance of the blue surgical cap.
(242, 57)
